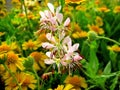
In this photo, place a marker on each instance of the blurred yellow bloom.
(96, 28)
(99, 21)
(76, 81)
(41, 38)
(2, 33)
(78, 33)
(31, 45)
(13, 62)
(74, 1)
(2, 2)
(39, 60)
(81, 8)
(115, 48)
(2, 13)
(116, 9)
(24, 79)
(81, 34)
(2, 69)
(4, 47)
(103, 9)
(66, 87)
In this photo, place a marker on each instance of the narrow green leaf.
(107, 69)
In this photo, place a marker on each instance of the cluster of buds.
(61, 51)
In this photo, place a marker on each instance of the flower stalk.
(15, 79)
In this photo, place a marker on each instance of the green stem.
(38, 80)
(109, 39)
(13, 76)
(23, 3)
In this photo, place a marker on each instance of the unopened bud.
(92, 35)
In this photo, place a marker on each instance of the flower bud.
(92, 35)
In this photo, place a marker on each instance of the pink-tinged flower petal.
(58, 9)
(59, 17)
(49, 61)
(50, 37)
(47, 45)
(74, 47)
(48, 14)
(67, 40)
(51, 7)
(42, 14)
(48, 54)
(77, 57)
(62, 35)
(67, 22)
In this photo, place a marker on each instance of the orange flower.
(13, 62)
(116, 9)
(76, 81)
(96, 28)
(99, 21)
(115, 48)
(30, 45)
(103, 9)
(4, 47)
(74, 1)
(26, 81)
(39, 60)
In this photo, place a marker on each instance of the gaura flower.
(13, 61)
(74, 1)
(31, 45)
(103, 9)
(50, 20)
(99, 21)
(39, 60)
(77, 81)
(26, 81)
(96, 29)
(115, 48)
(116, 9)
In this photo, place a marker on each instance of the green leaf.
(107, 69)
(115, 80)
(93, 60)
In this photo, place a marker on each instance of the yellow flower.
(76, 81)
(99, 21)
(116, 9)
(103, 9)
(24, 79)
(2, 33)
(81, 34)
(13, 62)
(74, 1)
(30, 45)
(81, 8)
(2, 69)
(66, 87)
(39, 60)
(2, 2)
(96, 28)
(4, 47)
(41, 38)
(115, 48)
(78, 33)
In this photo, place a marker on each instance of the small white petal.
(51, 7)
(67, 22)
